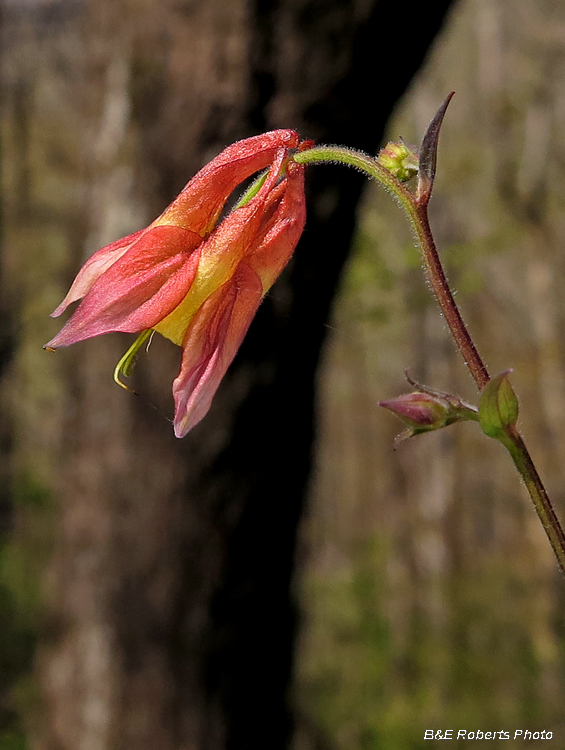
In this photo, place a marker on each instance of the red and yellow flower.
(194, 280)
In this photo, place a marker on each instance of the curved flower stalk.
(194, 280)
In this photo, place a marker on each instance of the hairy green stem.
(526, 467)
(416, 207)
(361, 161)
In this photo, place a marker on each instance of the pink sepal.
(94, 267)
(139, 289)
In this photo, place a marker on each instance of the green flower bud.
(400, 159)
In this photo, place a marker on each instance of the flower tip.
(183, 426)
(48, 348)
(59, 310)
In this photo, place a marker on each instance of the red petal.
(138, 290)
(280, 233)
(220, 325)
(197, 207)
(222, 252)
(201, 201)
(236, 234)
(211, 343)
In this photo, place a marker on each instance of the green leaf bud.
(498, 408)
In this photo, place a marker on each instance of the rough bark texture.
(169, 617)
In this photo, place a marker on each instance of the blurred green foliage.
(22, 562)
(374, 686)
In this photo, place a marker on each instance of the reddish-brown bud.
(427, 410)
(420, 411)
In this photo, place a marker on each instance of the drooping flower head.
(194, 280)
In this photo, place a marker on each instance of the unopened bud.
(424, 411)
(400, 159)
(420, 411)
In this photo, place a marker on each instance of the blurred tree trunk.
(169, 619)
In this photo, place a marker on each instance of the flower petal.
(197, 207)
(200, 203)
(280, 231)
(221, 253)
(211, 343)
(220, 324)
(94, 267)
(139, 289)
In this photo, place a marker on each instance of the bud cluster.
(400, 159)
